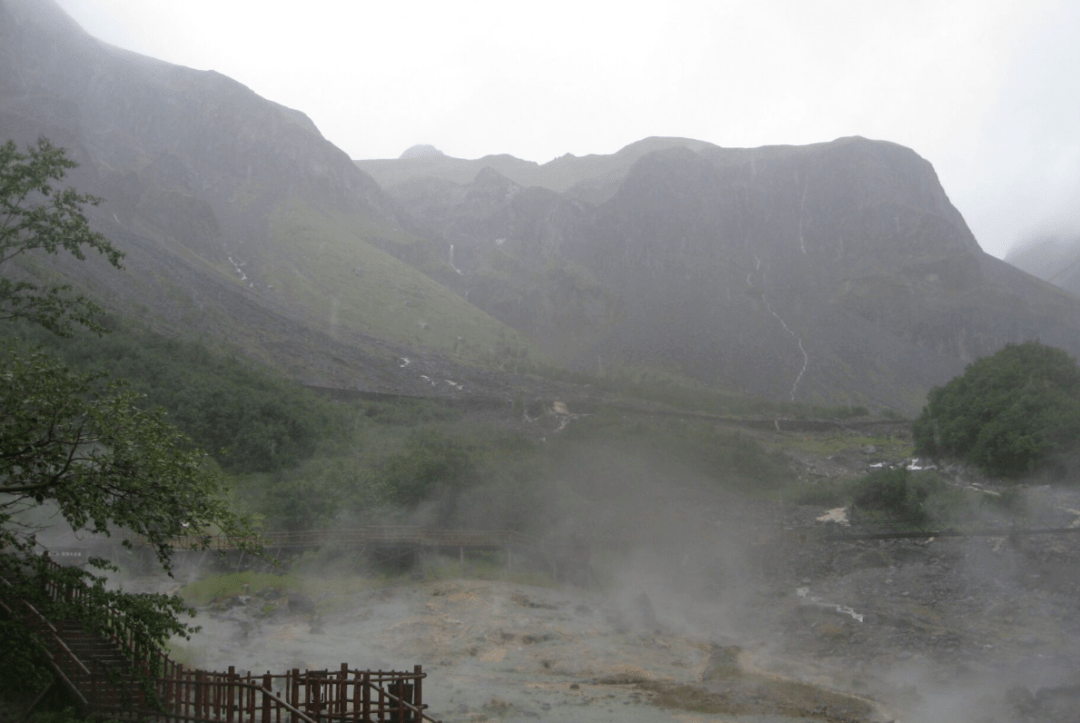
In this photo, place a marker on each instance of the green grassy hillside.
(322, 264)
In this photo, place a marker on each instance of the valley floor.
(975, 630)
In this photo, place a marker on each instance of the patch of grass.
(343, 282)
(829, 444)
(182, 654)
(219, 587)
(482, 567)
(827, 493)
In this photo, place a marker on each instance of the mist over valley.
(688, 388)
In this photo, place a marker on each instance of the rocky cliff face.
(837, 272)
(192, 155)
(238, 218)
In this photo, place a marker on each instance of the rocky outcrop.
(238, 218)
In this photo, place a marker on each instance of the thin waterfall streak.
(455, 268)
(796, 337)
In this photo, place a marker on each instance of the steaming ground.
(958, 630)
(502, 651)
(709, 612)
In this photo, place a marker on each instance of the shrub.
(897, 493)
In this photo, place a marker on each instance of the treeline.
(247, 418)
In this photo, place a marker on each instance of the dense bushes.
(1010, 414)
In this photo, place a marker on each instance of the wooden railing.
(103, 674)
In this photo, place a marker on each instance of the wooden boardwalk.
(111, 678)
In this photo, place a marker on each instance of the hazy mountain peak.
(422, 150)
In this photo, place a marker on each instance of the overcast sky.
(987, 90)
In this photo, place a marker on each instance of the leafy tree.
(35, 217)
(76, 454)
(1010, 414)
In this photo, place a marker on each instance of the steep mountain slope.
(832, 272)
(236, 214)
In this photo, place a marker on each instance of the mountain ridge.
(837, 272)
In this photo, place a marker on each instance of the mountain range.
(834, 273)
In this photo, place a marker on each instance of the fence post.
(343, 690)
(266, 698)
(295, 687)
(198, 693)
(230, 695)
(418, 690)
(367, 696)
(185, 690)
(382, 697)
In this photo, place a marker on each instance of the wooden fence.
(111, 676)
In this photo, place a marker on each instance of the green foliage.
(80, 451)
(248, 419)
(96, 463)
(897, 493)
(99, 460)
(920, 499)
(37, 218)
(429, 459)
(1010, 414)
